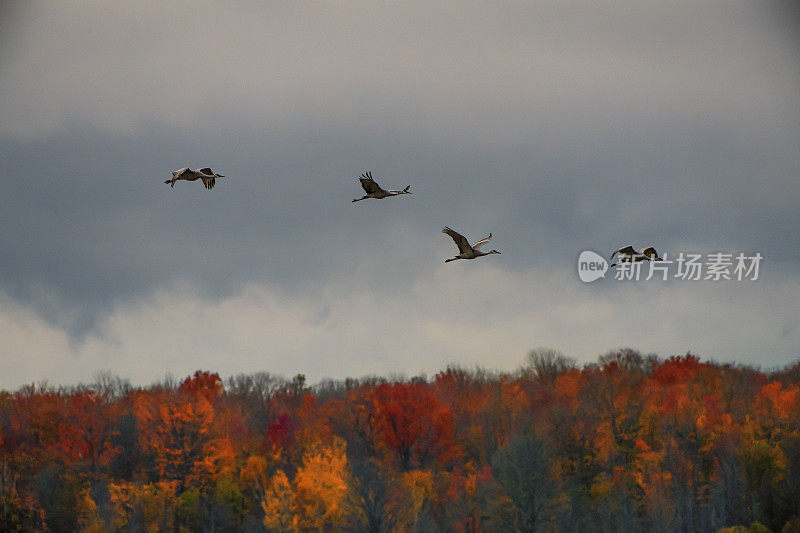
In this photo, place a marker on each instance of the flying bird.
(465, 250)
(206, 174)
(628, 254)
(374, 190)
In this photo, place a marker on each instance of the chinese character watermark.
(717, 266)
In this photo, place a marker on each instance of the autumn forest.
(631, 442)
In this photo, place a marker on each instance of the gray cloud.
(558, 128)
(459, 314)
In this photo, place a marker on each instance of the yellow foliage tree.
(143, 507)
(89, 519)
(278, 504)
(419, 487)
(321, 485)
(254, 476)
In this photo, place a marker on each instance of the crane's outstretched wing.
(460, 240)
(651, 253)
(208, 181)
(180, 172)
(369, 184)
(477, 245)
(628, 250)
(207, 171)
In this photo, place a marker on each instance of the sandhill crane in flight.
(186, 173)
(628, 254)
(374, 190)
(465, 250)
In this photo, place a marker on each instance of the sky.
(558, 127)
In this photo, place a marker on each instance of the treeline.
(632, 442)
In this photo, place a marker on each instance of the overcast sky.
(559, 127)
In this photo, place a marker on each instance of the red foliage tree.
(202, 383)
(414, 424)
(87, 430)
